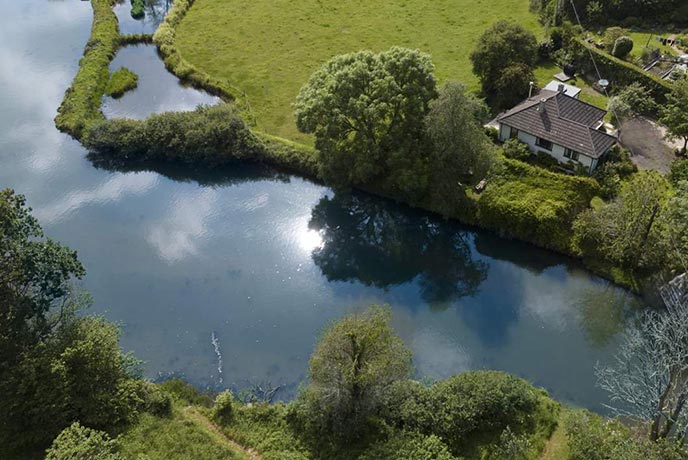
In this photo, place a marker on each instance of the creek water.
(246, 265)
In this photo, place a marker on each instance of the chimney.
(541, 106)
(562, 88)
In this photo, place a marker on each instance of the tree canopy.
(503, 61)
(674, 114)
(366, 111)
(353, 365)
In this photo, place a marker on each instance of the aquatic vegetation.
(120, 82)
(137, 9)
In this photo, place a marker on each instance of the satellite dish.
(603, 83)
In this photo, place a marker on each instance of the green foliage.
(632, 100)
(185, 393)
(264, 428)
(155, 400)
(138, 9)
(622, 47)
(613, 169)
(516, 150)
(674, 114)
(209, 136)
(503, 61)
(77, 442)
(81, 105)
(353, 365)
(611, 35)
(470, 411)
(223, 411)
(619, 72)
(172, 438)
(532, 204)
(590, 437)
(627, 231)
(120, 82)
(510, 447)
(679, 171)
(408, 446)
(460, 148)
(56, 367)
(366, 111)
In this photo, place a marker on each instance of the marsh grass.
(269, 48)
(121, 81)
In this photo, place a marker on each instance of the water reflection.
(157, 90)
(378, 244)
(155, 11)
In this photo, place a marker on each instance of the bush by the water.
(121, 81)
(223, 409)
(78, 442)
(533, 204)
(209, 135)
(471, 409)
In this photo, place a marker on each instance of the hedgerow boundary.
(542, 204)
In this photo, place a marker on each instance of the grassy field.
(269, 48)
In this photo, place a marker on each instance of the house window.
(514, 133)
(568, 153)
(545, 144)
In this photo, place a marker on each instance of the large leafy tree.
(353, 366)
(35, 276)
(503, 61)
(366, 111)
(674, 114)
(55, 367)
(629, 231)
(460, 148)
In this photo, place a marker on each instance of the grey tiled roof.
(565, 121)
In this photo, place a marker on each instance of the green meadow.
(269, 48)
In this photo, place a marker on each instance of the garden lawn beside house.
(269, 49)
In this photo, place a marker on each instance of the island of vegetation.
(121, 81)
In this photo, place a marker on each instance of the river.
(262, 261)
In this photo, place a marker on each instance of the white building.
(559, 125)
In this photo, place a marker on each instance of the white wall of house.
(556, 152)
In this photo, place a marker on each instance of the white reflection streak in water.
(177, 236)
(112, 190)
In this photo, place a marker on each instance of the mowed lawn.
(269, 48)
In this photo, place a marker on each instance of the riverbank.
(521, 202)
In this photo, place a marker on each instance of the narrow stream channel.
(247, 265)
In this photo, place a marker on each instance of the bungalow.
(559, 125)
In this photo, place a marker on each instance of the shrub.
(188, 394)
(590, 437)
(679, 171)
(622, 47)
(516, 150)
(408, 446)
(223, 411)
(476, 407)
(155, 400)
(77, 442)
(120, 82)
(533, 204)
(209, 135)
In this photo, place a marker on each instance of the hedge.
(81, 104)
(619, 72)
(531, 204)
